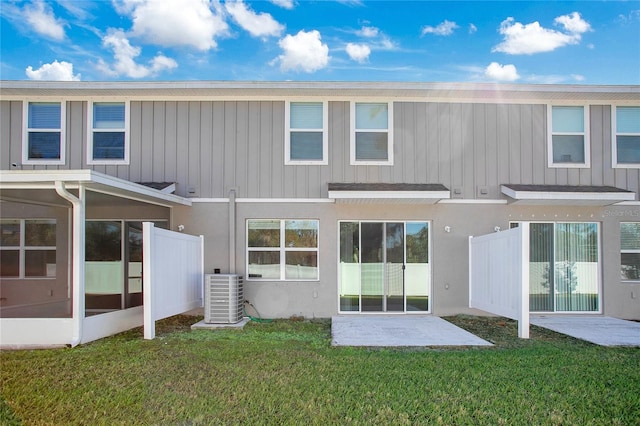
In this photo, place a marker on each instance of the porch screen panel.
(349, 266)
(104, 268)
(576, 267)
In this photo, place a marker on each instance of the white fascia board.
(568, 196)
(417, 195)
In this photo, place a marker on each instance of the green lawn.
(286, 372)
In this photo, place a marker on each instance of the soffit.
(38, 186)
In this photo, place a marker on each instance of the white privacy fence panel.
(173, 274)
(499, 275)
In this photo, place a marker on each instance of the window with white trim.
(108, 137)
(568, 136)
(626, 136)
(282, 249)
(306, 133)
(43, 136)
(630, 251)
(371, 133)
(28, 248)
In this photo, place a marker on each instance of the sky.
(522, 42)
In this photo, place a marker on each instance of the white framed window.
(568, 135)
(371, 133)
(625, 123)
(43, 139)
(108, 138)
(28, 248)
(630, 251)
(306, 133)
(282, 249)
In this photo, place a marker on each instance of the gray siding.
(210, 147)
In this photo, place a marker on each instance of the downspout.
(78, 257)
(232, 231)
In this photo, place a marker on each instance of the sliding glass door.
(384, 266)
(564, 267)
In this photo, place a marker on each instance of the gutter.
(78, 239)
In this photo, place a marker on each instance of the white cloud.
(532, 38)
(55, 71)
(443, 29)
(304, 51)
(41, 18)
(358, 52)
(368, 32)
(472, 29)
(124, 55)
(578, 77)
(193, 23)
(573, 23)
(285, 4)
(257, 24)
(496, 71)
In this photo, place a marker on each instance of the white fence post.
(148, 240)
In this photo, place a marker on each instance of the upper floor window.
(43, 140)
(28, 248)
(306, 133)
(626, 136)
(108, 133)
(371, 133)
(568, 136)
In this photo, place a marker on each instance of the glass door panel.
(564, 267)
(541, 267)
(417, 270)
(576, 267)
(384, 266)
(349, 267)
(393, 297)
(372, 266)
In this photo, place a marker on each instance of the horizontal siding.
(211, 147)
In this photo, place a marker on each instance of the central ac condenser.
(223, 298)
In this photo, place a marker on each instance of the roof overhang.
(388, 192)
(567, 195)
(41, 183)
(256, 90)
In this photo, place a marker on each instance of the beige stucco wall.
(449, 249)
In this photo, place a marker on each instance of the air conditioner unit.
(223, 298)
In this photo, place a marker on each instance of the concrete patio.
(399, 331)
(603, 331)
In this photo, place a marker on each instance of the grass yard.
(286, 372)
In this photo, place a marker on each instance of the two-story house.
(328, 197)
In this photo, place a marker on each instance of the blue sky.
(582, 42)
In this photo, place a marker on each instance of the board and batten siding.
(211, 147)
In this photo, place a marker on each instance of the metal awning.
(567, 194)
(104, 189)
(426, 193)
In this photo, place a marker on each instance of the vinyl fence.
(499, 275)
(173, 274)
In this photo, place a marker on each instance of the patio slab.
(399, 331)
(603, 331)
